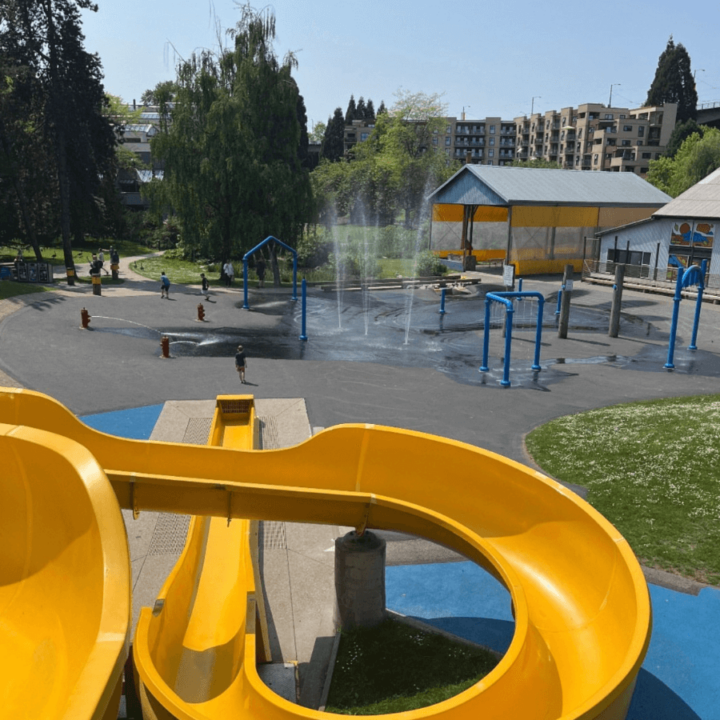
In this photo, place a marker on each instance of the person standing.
(101, 260)
(229, 271)
(164, 286)
(241, 363)
(260, 270)
(205, 285)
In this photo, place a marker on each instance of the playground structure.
(257, 248)
(506, 299)
(581, 604)
(685, 278)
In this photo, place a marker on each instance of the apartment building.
(596, 137)
(490, 141)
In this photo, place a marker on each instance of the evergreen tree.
(360, 110)
(46, 37)
(674, 82)
(350, 112)
(681, 132)
(382, 109)
(304, 140)
(334, 143)
(369, 111)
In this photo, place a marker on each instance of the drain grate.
(274, 535)
(169, 535)
(197, 431)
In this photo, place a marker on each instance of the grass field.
(652, 468)
(180, 272)
(10, 288)
(394, 667)
(54, 255)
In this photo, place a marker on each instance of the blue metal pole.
(245, 284)
(294, 295)
(303, 335)
(520, 284)
(560, 292)
(538, 333)
(486, 336)
(505, 382)
(698, 305)
(442, 301)
(673, 325)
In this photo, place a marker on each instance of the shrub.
(314, 249)
(429, 264)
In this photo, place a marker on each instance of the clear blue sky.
(490, 58)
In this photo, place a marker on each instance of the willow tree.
(230, 142)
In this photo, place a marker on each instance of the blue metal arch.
(258, 247)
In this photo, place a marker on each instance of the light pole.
(532, 103)
(695, 72)
(611, 87)
(463, 112)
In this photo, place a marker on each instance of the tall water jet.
(423, 215)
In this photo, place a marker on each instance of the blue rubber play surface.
(680, 678)
(136, 423)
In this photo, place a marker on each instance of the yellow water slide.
(581, 604)
(190, 648)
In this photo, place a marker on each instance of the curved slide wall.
(581, 603)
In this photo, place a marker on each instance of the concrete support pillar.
(614, 328)
(360, 580)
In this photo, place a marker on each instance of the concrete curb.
(329, 676)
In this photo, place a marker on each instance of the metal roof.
(702, 200)
(492, 185)
(149, 129)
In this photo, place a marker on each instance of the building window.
(646, 156)
(491, 153)
(623, 257)
(447, 140)
(658, 156)
(643, 171)
(448, 129)
(622, 117)
(627, 128)
(625, 143)
(608, 116)
(364, 136)
(639, 143)
(492, 129)
(595, 159)
(641, 131)
(434, 139)
(492, 141)
(608, 156)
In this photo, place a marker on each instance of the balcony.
(509, 142)
(570, 149)
(538, 140)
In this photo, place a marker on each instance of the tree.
(350, 112)
(46, 37)
(317, 134)
(360, 110)
(369, 111)
(382, 109)
(166, 89)
(333, 147)
(394, 169)
(680, 133)
(231, 144)
(697, 157)
(674, 82)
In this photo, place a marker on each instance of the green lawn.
(180, 272)
(10, 288)
(393, 668)
(652, 468)
(54, 254)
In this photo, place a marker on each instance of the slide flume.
(582, 608)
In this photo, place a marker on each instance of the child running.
(241, 363)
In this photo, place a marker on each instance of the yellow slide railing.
(581, 604)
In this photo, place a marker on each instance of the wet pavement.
(405, 329)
